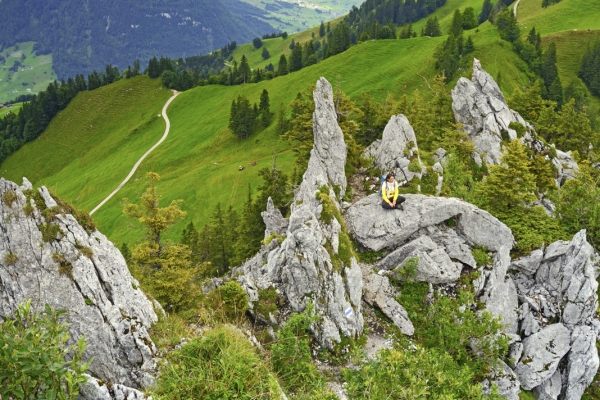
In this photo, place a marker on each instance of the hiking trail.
(137, 164)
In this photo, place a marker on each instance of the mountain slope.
(83, 36)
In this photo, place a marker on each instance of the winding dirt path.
(137, 164)
(515, 9)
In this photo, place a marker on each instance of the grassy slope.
(299, 16)
(15, 108)
(276, 47)
(199, 137)
(37, 79)
(566, 15)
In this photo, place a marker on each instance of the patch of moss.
(9, 197)
(11, 258)
(268, 302)
(520, 129)
(369, 257)
(50, 232)
(272, 236)
(481, 256)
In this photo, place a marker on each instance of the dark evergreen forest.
(84, 36)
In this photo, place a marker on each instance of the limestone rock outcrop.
(307, 265)
(559, 283)
(480, 106)
(396, 150)
(48, 256)
(440, 233)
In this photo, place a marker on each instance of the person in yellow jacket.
(389, 193)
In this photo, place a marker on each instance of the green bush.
(455, 326)
(419, 373)
(234, 299)
(221, 364)
(481, 256)
(32, 356)
(291, 355)
(408, 269)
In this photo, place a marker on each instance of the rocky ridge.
(309, 261)
(481, 108)
(48, 256)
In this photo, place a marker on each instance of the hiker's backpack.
(381, 182)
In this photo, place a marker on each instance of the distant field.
(564, 16)
(15, 108)
(296, 16)
(32, 77)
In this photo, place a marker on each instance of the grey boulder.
(542, 352)
(379, 292)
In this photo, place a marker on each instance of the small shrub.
(169, 330)
(268, 301)
(481, 256)
(65, 268)
(272, 236)
(28, 209)
(369, 257)
(89, 302)
(408, 269)
(10, 258)
(86, 251)
(429, 182)
(231, 299)
(520, 129)
(9, 197)
(414, 166)
(49, 232)
(33, 348)
(83, 218)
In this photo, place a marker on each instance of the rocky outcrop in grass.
(47, 255)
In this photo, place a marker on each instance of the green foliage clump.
(231, 299)
(369, 257)
(508, 192)
(429, 182)
(268, 302)
(481, 256)
(455, 326)
(221, 364)
(291, 355)
(32, 355)
(413, 373)
(414, 166)
(9, 197)
(11, 258)
(408, 269)
(345, 252)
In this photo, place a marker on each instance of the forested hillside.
(86, 35)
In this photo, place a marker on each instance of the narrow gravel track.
(137, 164)
(515, 9)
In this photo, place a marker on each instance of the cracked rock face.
(396, 149)
(480, 106)
(80, 272)
(559, 283)
(541, 353)
(305, 267)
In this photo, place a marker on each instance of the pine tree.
(265, 53)
(485, 11)
(244, 70)
(456, 26)
(126, 252)
(507, 26)
(219, 244)
(282, 68)
(251, 230)
(296, 59)
(166, 267)
(282, 122)
(432, 28)
(191, 238)
(322, 30)
(265, 109)
(469, 20)
(293, 44)
(509, 187)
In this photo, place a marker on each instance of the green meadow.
(91, 146)
(15, 109)
(35, 73)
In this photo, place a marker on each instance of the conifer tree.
(265, 53)
(469, 20)
(322, 30)
(510, 186)
(265, 109)
(244, 70)
(296, 59)
(485, 11)
(456, 26)
(432, 28)
(166, 267)
(282, 68)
